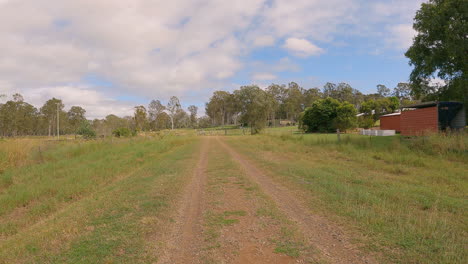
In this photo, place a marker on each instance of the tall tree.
(311, 95)
(49, 110)
(18, 117)
(173, 106)
(382, 90)
(402, 91)
(440, 48)
(193, 115)
(155, 109)
(294, 101)
(218, 107)
(140, 116)
(254, 106)
(76, 116)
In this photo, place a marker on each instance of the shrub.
(345, 116)
(366, 122)
(86, 131)
(123, 132)
(326, 115)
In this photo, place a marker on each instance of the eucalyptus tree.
(155, 109)
(140, 117)
(76, 117)
(254, 106)
(49, 111)
(219, 106)
(173, 106)
(193, 115)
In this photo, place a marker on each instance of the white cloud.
(96, 104)
(302, 47)
(264, 41)
(401, 36)
(263, 76)
(436, 81)
(155, 48)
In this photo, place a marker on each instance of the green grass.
(405, 199)
(95, 202)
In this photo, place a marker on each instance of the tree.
(18, 117)
(76, 117)
(375, 108)
(204, 122)
(279, 93)
(320, 117)
(173, 106)
(440, 49)
(382, 90)
(218, 107)
(402, 91)
(155, 109)
(86, 130)
(193, 115)
(294, 101)
(311, 95)
(140, 118)
(346, 116)
(49, 110)
(254, 106)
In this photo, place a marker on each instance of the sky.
(111, 55)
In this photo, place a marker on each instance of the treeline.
(19, 118)
(249, 106)
(288, 104)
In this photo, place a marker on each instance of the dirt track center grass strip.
(410, 205)
(95, 203)
(284, 237)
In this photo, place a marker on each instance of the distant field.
(278, 197)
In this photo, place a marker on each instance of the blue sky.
(109, 56)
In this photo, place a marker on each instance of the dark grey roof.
(430, 104)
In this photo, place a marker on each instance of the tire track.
(182, 246)
(322, 234)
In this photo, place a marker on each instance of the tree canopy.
(440, 49)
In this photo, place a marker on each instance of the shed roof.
(432, 103)
(392, 114)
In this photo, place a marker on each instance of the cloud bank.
(155, 48)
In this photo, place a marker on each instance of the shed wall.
(418, 121)
(459, 121)
(390, 123)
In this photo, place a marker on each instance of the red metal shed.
(429, 117)
(390, 122)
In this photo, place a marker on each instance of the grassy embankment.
(407, 198)
(91, 202)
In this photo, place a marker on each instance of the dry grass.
(18, 152)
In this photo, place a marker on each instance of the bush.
(366, 122)
(345, 116)
(326, 115)
(86, 131)
(123, 132)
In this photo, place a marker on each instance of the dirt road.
(232, 212)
